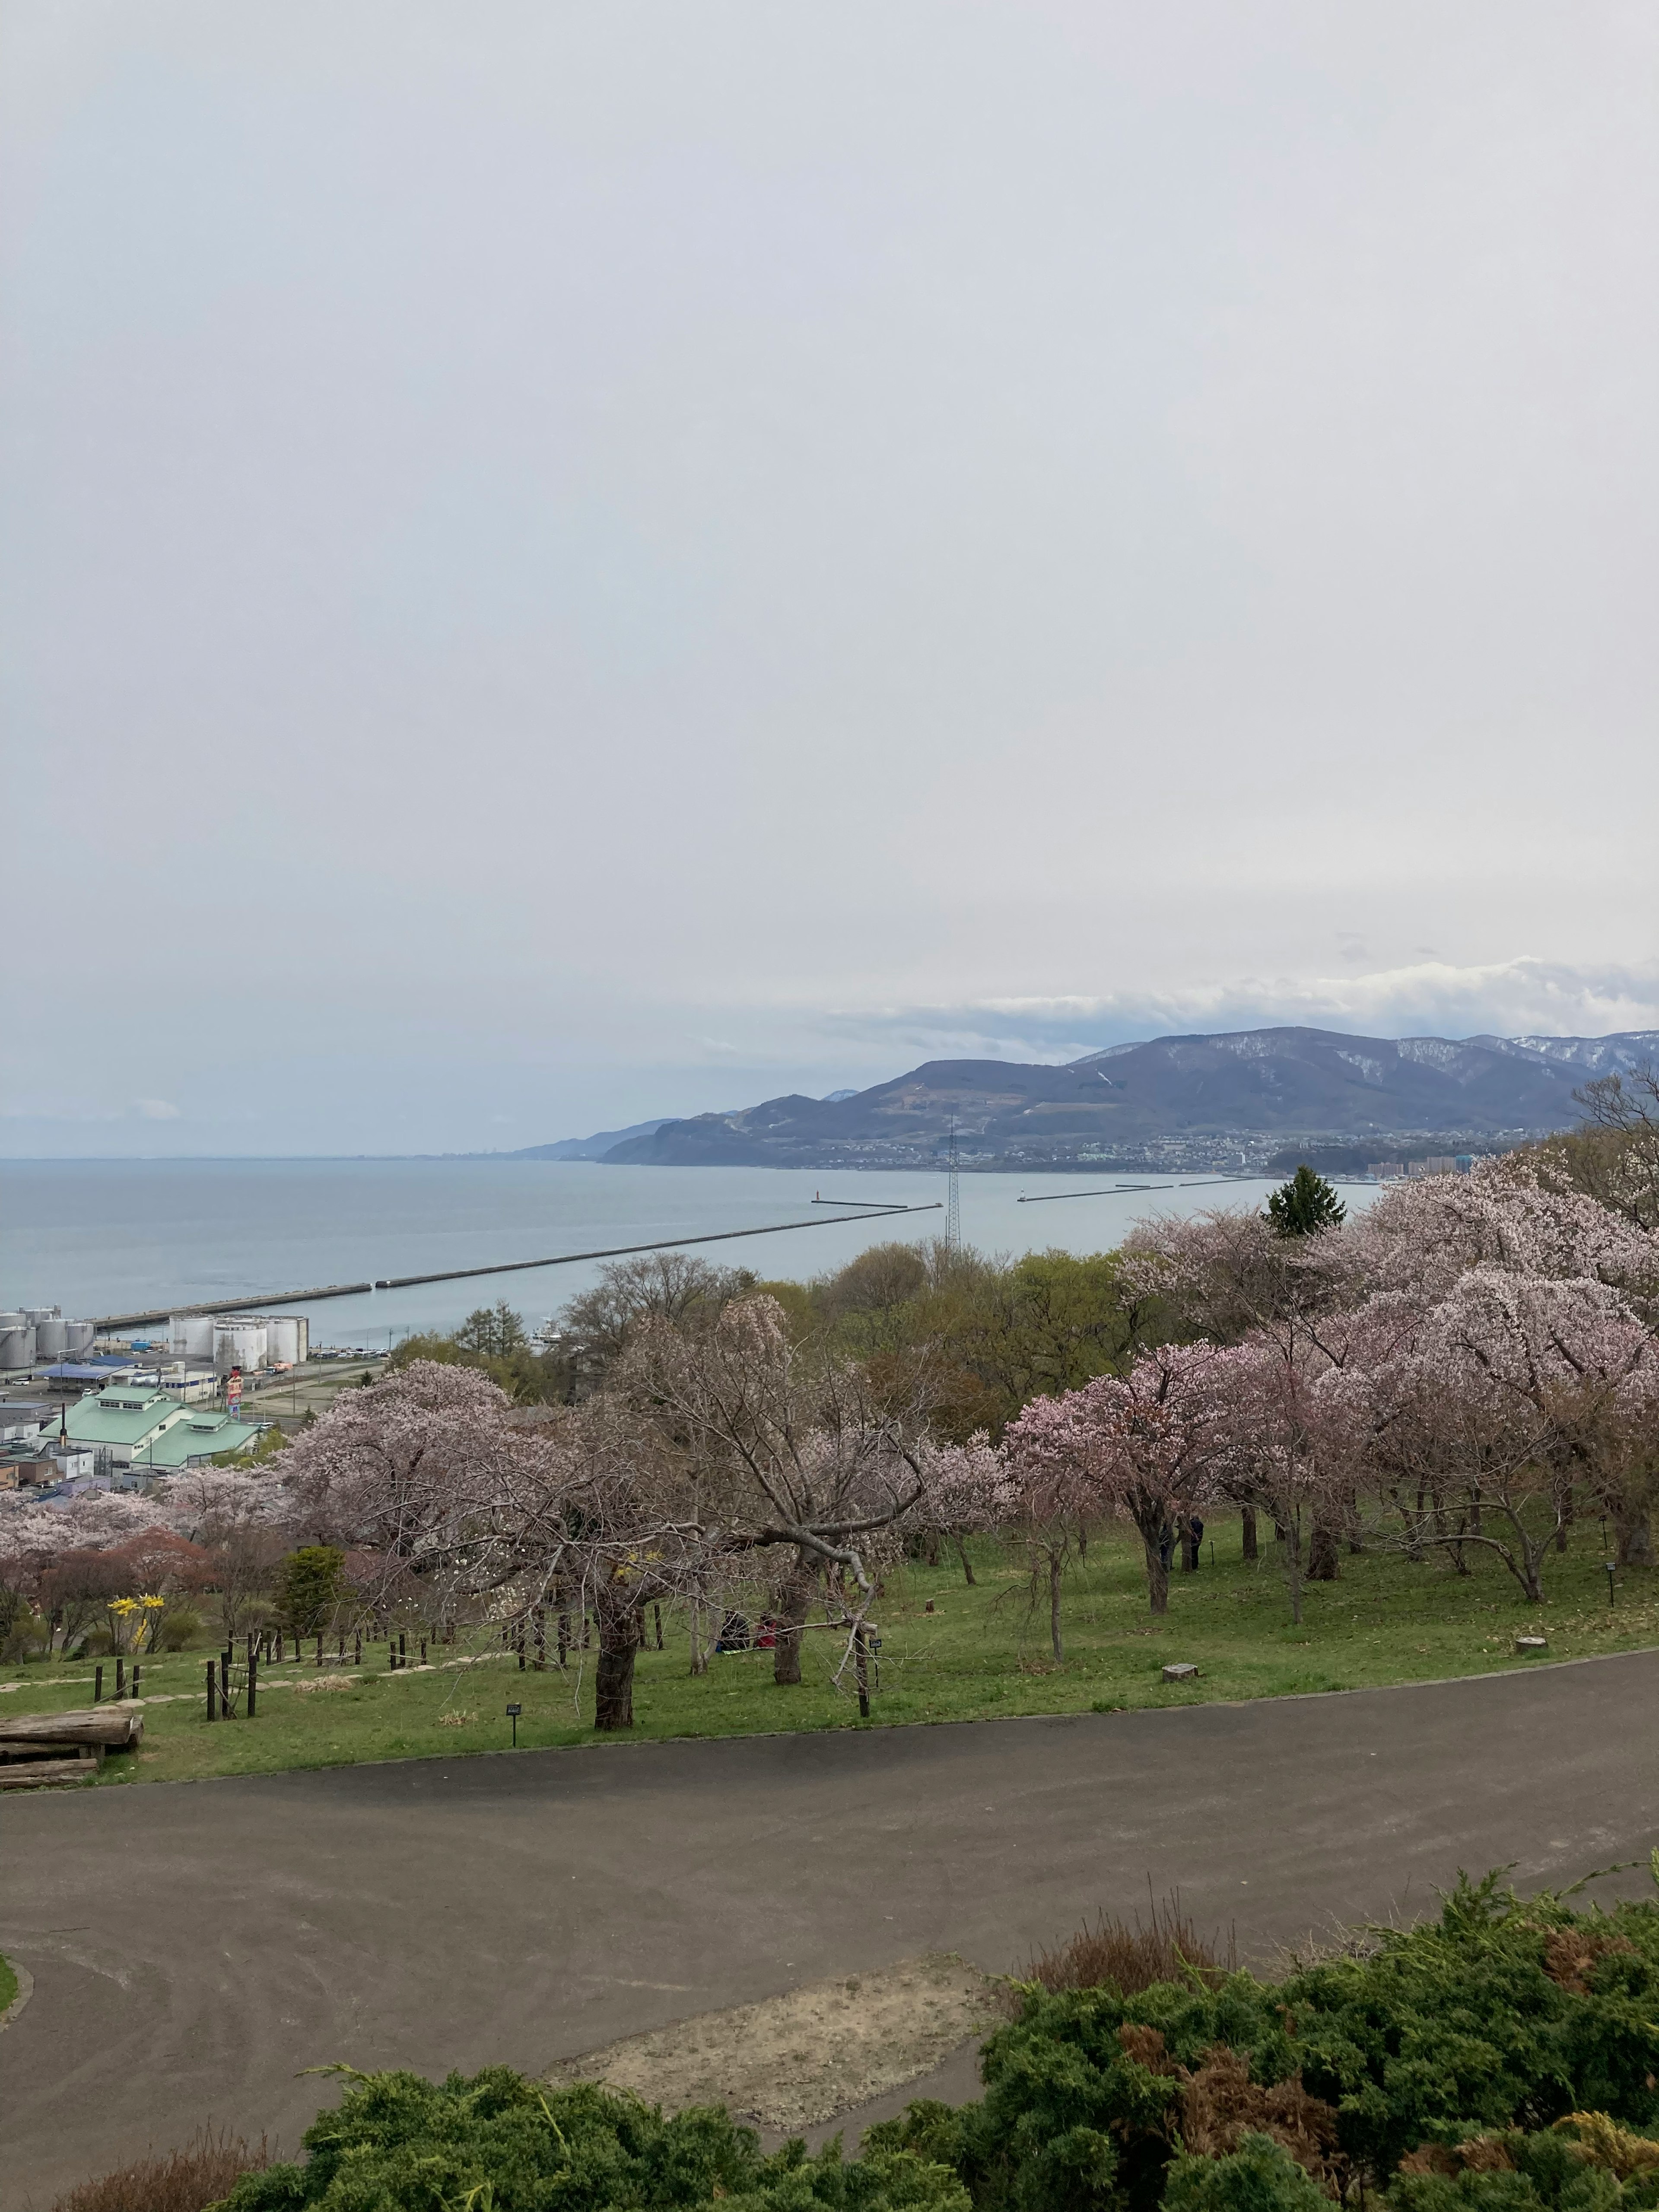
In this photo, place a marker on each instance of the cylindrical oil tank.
(189, 1336)
(16, 1347)
(238, 1342)
(37, 1314)
(285, 1339)
(51, 1338)
(80, 1336)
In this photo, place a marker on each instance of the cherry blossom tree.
(430, 1474)
(1481, 1413)
(791, 1451)
(1420, 1239)
(1142, 1446)
(967, 1491)
(1278, 1443)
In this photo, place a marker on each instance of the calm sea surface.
(101, 1237)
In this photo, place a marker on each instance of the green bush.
(1497, 2020)
(500, 2143)
(1260, 2176)
(181, 1624)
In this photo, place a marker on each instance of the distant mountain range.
(1233, 1100)
(587, 1148)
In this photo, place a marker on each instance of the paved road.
(194, 1945)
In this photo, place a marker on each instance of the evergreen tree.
(1305, 1205)
(310, 1584)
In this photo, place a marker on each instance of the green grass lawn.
(981, 1654)
(7, 1983)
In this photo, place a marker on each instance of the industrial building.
(123, 1420)
(201, 1436)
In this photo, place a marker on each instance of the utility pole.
(953, 1198)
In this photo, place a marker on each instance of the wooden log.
(56, 1748)
(107, 1724)
(42, 1773)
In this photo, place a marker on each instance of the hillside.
(1226, 1101)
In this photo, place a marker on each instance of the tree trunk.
(613, 1675)
(1251, 1549)
(1291, 1544)
(967, 1564)
(1158, 1575)
(1324, 1561)
(795, 1597)
(1633, 1538)
(1056, 1567)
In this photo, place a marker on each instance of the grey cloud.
(552, 560)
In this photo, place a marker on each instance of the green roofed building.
(125, 1419)
(202, 1435)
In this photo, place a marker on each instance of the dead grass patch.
(186, 2180)
(1164, 1948)
(794, 2060)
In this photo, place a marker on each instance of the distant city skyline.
(559, 566)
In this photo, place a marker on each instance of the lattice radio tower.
(953, 1198)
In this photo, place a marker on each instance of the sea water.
(111, 1236)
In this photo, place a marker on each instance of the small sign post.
(512, 1712)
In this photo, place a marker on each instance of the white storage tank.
(238, 1342)
(189, 1336)
(81, 1336)
(51, 1338)
(37, 1314)
(16, 1344)
(288, 1339)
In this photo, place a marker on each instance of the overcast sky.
(563, 562)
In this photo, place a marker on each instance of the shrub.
(1503, 2022)
(205, 2170)
(180, 1627)
(310, 1583)
(1260, 2176)
(398, 2143)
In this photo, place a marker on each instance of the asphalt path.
(195, 1945)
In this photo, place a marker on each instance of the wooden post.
(657, 1611)
(253, 1677)
(120, 1676)
(564, 1641)
(137, 1671)
(211, 1683)
(279, 1647)
(357, 1648)
(224, 1686)
(319, 1647)
(861, 1671)
(402, 1648)
(424, 1651)
(521, 1647)
(97, 1684)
